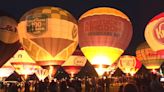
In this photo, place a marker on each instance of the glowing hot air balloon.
(49, 35)
(104, 35)
(42, 74)
(6, 70)
(129, 64)
(149, 58)
(74, 63)
(154, 33)
(9, 43)
(24, 65)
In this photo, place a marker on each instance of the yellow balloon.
(48, 34)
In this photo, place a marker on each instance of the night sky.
(139, 11)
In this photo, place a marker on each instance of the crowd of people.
(138, 83)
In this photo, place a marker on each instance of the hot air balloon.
(154, 33)
(129, 64)
(104, 35)
(9, 43)
(49, 35)
(6, 70)
(42, 74)
(24, 65)
(149, 58)
(74, 63)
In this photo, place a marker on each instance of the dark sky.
(139, 11)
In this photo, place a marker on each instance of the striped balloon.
(104, 35)
(48, 34)
(129, 64)
(149, 58)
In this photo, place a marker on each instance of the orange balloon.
(149, 58)
(48, 34)
(129, 64)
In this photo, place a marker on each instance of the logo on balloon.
(78, 61)
(8, 28)
(159, 31)
(103, 26)
(37, 24)
(74, 32)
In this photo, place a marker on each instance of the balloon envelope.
(149, 58)
(154, 33)
(129, 64)
(23, 63)
(74, 63)
(48, 34)
(9, 43)
(104, 35)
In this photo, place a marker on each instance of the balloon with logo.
(154, 33)
(129, 64)
(49, 35)
(104, 35)
(149, 58)
(24, 65)
(9, 43)
(74, 63)
(6, 70)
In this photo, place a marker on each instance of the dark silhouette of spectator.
(77, 85)
(63, 85)
(130, 88)
(42, 87)
(12, 87)
(27, 87)
(36, 86)
(70, 89)
(53, 86)
(87, 85)
(155, 84)
(107, 82)
(120, 89)
(93, 84)
(100, 85)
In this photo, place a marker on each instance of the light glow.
(101, 54)
(42, 74)
(50, 72)
(100, 70)
(6, 72)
